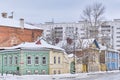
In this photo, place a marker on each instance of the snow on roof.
(85, 43)
(102, 47)
(33, 45)
(15, 23)
(71, 55)
(82, 43)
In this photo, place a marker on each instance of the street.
(105, 76)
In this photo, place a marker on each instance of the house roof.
(14, 23)
(79, 44)
(39, 44)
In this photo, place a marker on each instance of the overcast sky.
(40, 11)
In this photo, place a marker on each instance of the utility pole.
(75, 37)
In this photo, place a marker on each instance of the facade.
(106, 35)
(14, 32)
(109, 58)
(59, 63)
(116, 34)
(90, 60)
(87, 56)
(24, 61)
(110, 32)
(34, 58)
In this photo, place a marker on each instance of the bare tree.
(93, 16)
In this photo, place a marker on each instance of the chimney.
(22, 23)
(11, 17)
(4, 15)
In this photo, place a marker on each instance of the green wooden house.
(24, 61)
(26, 58)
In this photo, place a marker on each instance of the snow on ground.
(43, 77)
(51, 77)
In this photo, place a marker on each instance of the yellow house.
(59, 63)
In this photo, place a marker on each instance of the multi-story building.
(110, 34)
(105, 34)
(62, 31)
(116, 34)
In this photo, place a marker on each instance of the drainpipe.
(2, 65)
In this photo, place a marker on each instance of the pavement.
(80, 75)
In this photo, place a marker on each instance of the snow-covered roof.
(102, 47)
(82, 43)
(39, 44)
(71, 55)
(14, 23)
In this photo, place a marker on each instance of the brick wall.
(10, 36)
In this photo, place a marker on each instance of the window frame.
(10, 60)
(43, 60)
(36, 60)
(59, 62)
(5, 60)
(16, 60)
(54, 59)
(29, 61)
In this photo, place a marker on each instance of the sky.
(40, 11)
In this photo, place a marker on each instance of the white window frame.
(5, 60)
(29, 61)
(43, 71)
(43, 60)
(16, 60)
(36, 60)
(10, 60)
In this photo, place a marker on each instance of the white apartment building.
(62, 31)
(116, 33)
(106, 33)
(109, 32)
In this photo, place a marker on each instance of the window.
(16, 60)
(118, 45)
(118, 40)
(54, 71)
(36, 60)
(28, 72)
(58, 60)
(118, 32)
(59, 72)
(43, 72)
(118, 36)
(43, 60)
(10, 60)
(28, 60)
(5, 60)
(36, 71)
(118, 28)
(54, 60)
